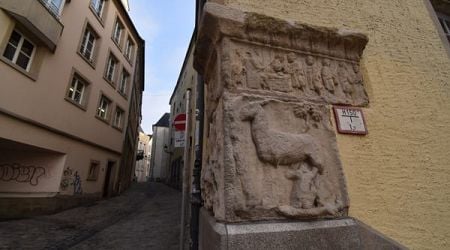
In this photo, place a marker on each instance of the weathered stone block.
(346, 233)
(271, 152)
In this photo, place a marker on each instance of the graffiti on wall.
(21, 173)
(77, 184)
(71, 179)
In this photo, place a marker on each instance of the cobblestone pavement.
(147, 216)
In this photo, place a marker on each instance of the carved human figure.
(345, 80)
(358, 82)
(304, 192)
(252, 69)
(296, 71)
(276, 76)
(313, 78)
(238, 71)
(327, 76)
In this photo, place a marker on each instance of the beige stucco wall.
(21, 95)
(42, 99)
(398, 176)
(74, 155)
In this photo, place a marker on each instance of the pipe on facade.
(185, 189)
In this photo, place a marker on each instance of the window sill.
(110, 82)
(117, 128)
(117, 44)
(123, 95)
(82, 107)
(19, 69)
(129, 60)
(100, 19)
(106, 121)
(90, 62)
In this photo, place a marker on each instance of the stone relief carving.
(276, 147)
(271, 160)
(296, 73)
(271, 152)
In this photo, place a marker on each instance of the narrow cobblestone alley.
(144, 217)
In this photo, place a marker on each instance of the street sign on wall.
(180, 122)
(350, 120)
(179, 139)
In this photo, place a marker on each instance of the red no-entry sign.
(180, 122)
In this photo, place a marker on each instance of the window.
(19, 50)
(445, 23)
(88, 44)
(97, 6)
(123, 84)
(54, 6)
(111, 68)
(118, 118)
(77, 90)
(117, 32)
(93, 171)
(129, 49)
(103, 107)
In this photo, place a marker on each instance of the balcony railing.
(51, 7)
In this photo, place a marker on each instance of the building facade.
(396, 176)
(185, 87)
(142, 169)
(160, 149)
(70, 98)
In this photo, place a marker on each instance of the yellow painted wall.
(399, 175)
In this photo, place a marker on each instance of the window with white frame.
(19, 50)
(88, 42)
(445, 23)
(111, 68)
(117, 32)
(129, 49)
(103, 107)
(54, 6)
(118, 118)
(97, 6)
(77, 90)
(123, 84)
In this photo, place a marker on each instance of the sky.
(166, 26)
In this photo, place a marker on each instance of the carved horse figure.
(279, 148)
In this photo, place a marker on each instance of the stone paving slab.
(145, 217)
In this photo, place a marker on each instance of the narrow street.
(144, 217)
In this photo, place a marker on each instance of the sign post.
(180, 126)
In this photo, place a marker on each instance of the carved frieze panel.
(279, 160)
(270, 151)
(275, 71)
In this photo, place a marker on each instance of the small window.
(103, 108)
(54, 6)
(88, 43)
(77, 90)
(129, 46)
(118, 118)
(93, 171)
(123, 84)
(19, 50)
(111, 68)
(97, 6)
(117, 32)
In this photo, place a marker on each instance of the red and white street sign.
(180, 122)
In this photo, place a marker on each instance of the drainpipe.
(186, 172)
(196, 197)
